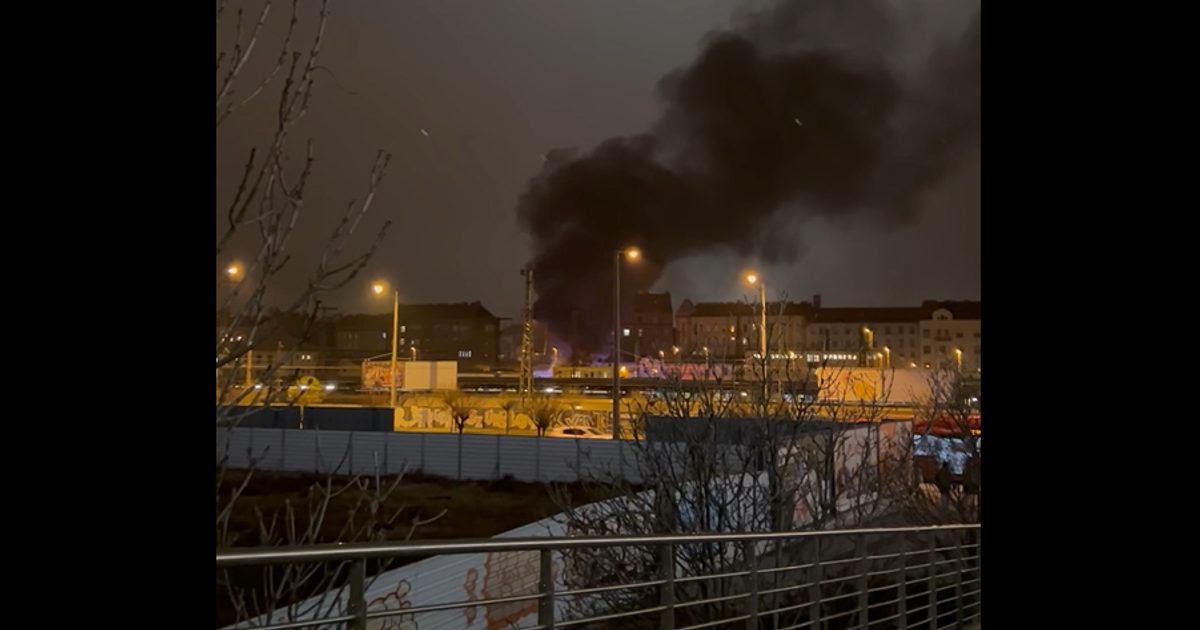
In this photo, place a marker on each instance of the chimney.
(817, 300)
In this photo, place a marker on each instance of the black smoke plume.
(778, 118)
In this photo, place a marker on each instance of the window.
(403, 328)
(925, 333)
(941, 349)
(925, 350)
(464, 354)
(958, 335)
(887, 330)
(641, 332)
(625, 332)
(385, 335)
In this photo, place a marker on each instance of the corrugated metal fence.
(484, 457)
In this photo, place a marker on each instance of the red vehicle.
(946, 426)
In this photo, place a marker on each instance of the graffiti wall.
(434, 415)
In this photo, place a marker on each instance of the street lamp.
(753, 279)
(887, 357)
(632, 254)
(379, 287)
(414, 352)
(234, 271)
(958, 357)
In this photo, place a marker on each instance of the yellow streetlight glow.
(378, 287)
(751, 278)
(632, 253)
(234, 271)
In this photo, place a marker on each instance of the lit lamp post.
(869, 338)
(378, 288)
(887, 357)
(958, 357)
(414, 352)
(631, 254)
(235, 272)
(754, 279)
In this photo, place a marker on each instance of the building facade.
(650, 328)
(465, 332)
(729, 330)
(952, 335)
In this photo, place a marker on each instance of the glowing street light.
(753, 279)
(632, 254)
(235, 271)
(379, 287)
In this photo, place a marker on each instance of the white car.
(579, 433)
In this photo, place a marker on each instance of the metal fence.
(477, 457)
(906, 578)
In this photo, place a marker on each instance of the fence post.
(959, 566)
(499, 451)
(933, 620)
(814, 587)
(903, 595)
(750, 552)
(283, 449)
(358, 602)
(666, 591)
(546, 590)
(863, 565)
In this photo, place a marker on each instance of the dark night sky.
(498, 84)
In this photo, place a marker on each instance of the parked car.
(579, 433)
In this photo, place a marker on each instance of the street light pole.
(762, 319)
(616, 361)
(631, 253)
(378, 287)
(395, 320)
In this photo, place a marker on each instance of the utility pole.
(525, 380)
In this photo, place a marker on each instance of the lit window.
(625, 332)
(403, 328)
(464, 354)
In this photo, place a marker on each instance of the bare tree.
(460, 407)
(268, 202)
(267, 205)
(949, 432)
(788, 446)
(358, 508)
(509, 406)
(545, 413)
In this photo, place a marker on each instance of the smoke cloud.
(797, 111)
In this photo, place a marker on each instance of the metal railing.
(908, 578)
